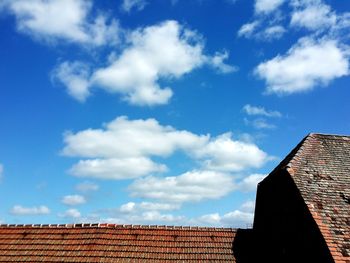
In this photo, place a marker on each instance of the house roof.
(114, 243)
(320, 168)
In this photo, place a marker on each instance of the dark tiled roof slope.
(115, 243)
(320, 167)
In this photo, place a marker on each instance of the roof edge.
(118, 226)
(286, 163)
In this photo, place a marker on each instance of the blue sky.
(161, 111)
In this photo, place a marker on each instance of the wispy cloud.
(87, 187)
(19, 210)
(260, 111)
(267, 6)
(129, 5)
(73, 200)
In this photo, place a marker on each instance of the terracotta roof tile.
(114, 243)
(320, 167)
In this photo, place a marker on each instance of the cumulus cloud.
(35, 210)
(53, 20)
(132, 207)
(123, 138)
(249, 183)
(147, 217)
(307, 64)
(191, 186)
(128, 5)
(124, 148)
(165, 51)
(87, 187)
(267, 6)
(75, 76)
(73, 200)
(143, 213)
(260, 111)
(224, 154)
(235, 218)
(121, 168)
(313, 15)
(248, 206)
(71, 213)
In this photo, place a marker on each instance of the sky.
(163, 112)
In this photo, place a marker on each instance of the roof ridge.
(328, 134)
(288, 160)
(120, 226)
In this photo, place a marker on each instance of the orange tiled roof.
(320, 167)
(114, 243)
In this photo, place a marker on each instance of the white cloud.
(73, 200)
(260, 111)
(121, 168)
(218, 62)
(248, 206)
(128, 5)
(132, 207)
(191, 186)
(307, 64)
(87, 187)
(236, 218)
(248, 29)
(259, 123)
(52, 20)
(71, 213)
(257, 31)
(315, 16)
(164, 51)
(147, 217)
(158, 206)
(267, 6)
(124, 138)
(249, 183)
(124, 148)
(75, 76)
(273, 32)
(133, 213)
(151, 216)
(341, 29)
(128, 207)
(224, 154)
(36, 210)
(242, 217)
